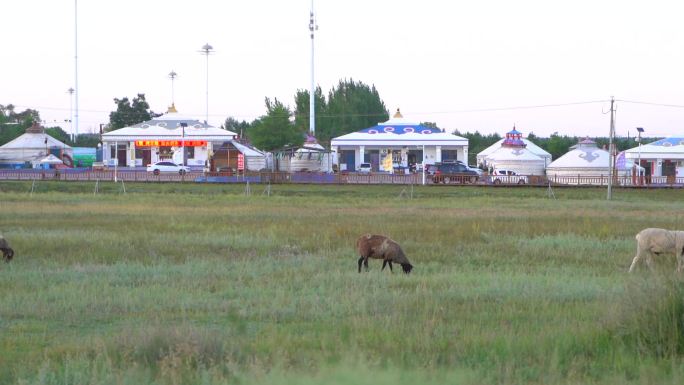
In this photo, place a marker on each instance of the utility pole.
(611, 156)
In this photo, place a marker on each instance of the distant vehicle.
(502, 175)
(479, 172)
(364, 168)
(166, 166)
(453, 172)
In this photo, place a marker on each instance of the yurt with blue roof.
(398, 144)
(664, 157)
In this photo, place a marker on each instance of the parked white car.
(502, 175)
(364, 168)
(166, 166)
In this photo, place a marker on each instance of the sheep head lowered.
(653, 241)
(381, 247)
(7, 252)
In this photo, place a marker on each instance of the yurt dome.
(540, 152)
(514, 155)
(584, 159)
(310, 157)
(33, 146)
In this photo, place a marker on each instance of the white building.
(514, 155)
(165, 137)
(397, 144)
(664, 157)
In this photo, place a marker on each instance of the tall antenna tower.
(70, 91)
(313, 27)
(76, 67)
(206, 50)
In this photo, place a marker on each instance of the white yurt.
(310, 157)
(540, 152)
(32, 147)
(588, 162)
(514, 155)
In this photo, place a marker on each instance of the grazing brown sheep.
(657, 241)
(7, 252)
(381, 247)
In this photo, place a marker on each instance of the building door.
(147, 156)
(669, 168)
(647, 170)
(375, 161)
(349, 159)
(121, 155)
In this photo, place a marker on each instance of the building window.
(449, 155)
(190, 152)
(165, 153)
(112, 151)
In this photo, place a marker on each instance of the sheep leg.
(360, 263)
(390, 265)
(649, 262)
(634, 263)
(636, 259)
(680, 261)
(365, 263)
(384, 263)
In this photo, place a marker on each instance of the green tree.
(13, 124)
(350, 106)
(239, 127)
(128, 114)
(275, 130)
(302, 106)
(477, 143)
(59, 134)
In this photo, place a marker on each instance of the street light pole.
(183, 125)
(423, 165)
(640, 130)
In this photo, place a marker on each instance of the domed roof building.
(540, 152)
(514, 155)
(32, 147)
(587, 163)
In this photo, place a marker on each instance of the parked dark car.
(454, 173)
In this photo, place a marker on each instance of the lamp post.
(639, 130)
(183, 125)
(423, 164)
(206, 50)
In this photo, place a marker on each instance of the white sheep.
(657, 241)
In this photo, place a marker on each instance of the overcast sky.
(437, 60)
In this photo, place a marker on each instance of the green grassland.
(186, 283)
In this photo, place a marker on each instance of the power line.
(651, 103)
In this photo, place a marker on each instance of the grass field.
(185, 284)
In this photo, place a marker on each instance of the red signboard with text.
(170, 143)
(241, 162)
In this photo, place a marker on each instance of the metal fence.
(131, 175)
